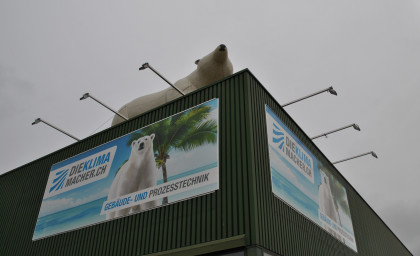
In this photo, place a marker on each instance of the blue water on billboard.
(89, 213)
(294, 196)
(72, 218)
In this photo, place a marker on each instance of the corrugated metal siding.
(215, 216)
(244, 203)
(285, 231)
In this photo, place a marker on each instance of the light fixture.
(329, 89)
(332, 91)
(87, 95)
(39, 120)
(36, 121)
(147, 65)
(367, 153)
(144, 66)
(355, 126)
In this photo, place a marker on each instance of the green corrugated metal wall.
(215, 216)
(244, 203)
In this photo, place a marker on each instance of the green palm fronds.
(184, 131)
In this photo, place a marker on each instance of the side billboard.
(171, 160)
(305, 184)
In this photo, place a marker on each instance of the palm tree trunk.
(165, 179)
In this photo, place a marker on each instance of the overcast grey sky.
(51, 52)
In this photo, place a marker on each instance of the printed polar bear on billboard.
(138, 173)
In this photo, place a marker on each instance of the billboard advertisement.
(171, 160)
(301, 181)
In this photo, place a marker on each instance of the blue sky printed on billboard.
(81, 206)
(300, 180)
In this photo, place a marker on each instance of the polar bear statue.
(214, 66)
(138, 173)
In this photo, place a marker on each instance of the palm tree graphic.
(184, 131)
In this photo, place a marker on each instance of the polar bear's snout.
(141, 146)
(144, 142)
(222, 47)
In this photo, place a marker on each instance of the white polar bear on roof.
(214, 66)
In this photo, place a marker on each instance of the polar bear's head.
(220, 55)
(143, 144)
(215, 65)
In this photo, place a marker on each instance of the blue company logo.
(278, 136)
(59, 180)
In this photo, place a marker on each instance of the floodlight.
(329, 89)
(144, 66)
(368, 153)
(147, 65)
(36, 121)
(355, 126)
(332, 91)
(87, 95)
(39, 120)
(374, 154)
